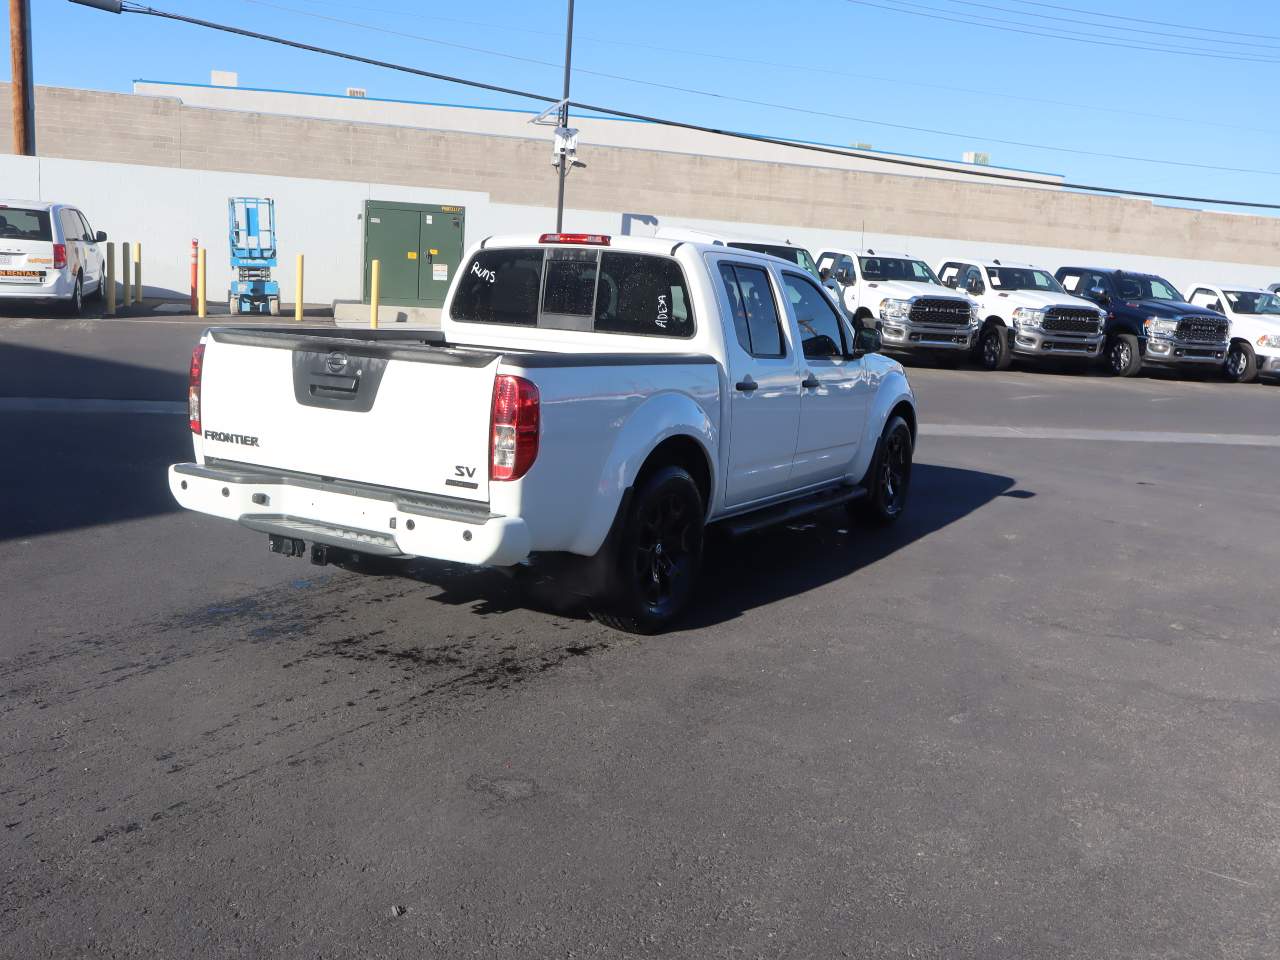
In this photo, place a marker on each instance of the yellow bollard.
(373, 294)
(111, 279)
(137, 273)
(126, 292)
(201, 305)
(297, 297)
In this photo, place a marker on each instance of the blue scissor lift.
(252, 233)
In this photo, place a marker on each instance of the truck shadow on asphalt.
(742, 574)
(71, 465)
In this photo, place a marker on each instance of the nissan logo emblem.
(336, 362)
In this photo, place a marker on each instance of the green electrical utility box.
(418, 247)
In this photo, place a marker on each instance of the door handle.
(811, 382)
(746, 386)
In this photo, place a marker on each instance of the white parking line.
(67, 405)
(1121, 436)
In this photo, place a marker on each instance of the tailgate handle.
(337, 380)
(341, 386)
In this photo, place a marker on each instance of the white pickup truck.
(1025, 312)
(588, 397)
(1254, 333)
(902, 296)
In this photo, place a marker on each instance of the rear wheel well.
(861, 313)
(682, 451)
(993, 321)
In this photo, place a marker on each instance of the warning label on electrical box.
(440, 271)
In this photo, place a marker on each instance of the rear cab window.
(17, 223)
(575, 288)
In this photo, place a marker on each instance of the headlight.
(1269, 340)
(1160, 328)
(1026, 317)
(895, 309)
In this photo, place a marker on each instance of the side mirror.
(866, 340)
(974, 286)
(1098, 295)
(100, 237)
(824, 274)
(842, 275)
(951, 282)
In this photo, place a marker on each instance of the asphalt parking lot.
(1038, 718)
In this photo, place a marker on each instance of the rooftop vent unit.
(224, 78)
(981, 159)
(355, 92)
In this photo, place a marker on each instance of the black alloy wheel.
(889, 480)
(660, 553)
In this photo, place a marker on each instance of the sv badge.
(461, 471)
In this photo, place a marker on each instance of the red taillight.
(193, 387)
(513, 437)
(59, 256)
(590, 239)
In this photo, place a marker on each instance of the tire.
(1123, 359)
(75, 305)
(100, 294)
(993, 348)
(888, 481)
(1242, 364)
(659, 554)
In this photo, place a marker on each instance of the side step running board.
(791, 509)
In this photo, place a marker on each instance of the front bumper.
(904, 335)
(358, 517)
(1178, 352)
(1052, 343)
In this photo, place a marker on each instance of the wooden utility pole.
(22, 87)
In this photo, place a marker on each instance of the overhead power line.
(130, 7)
(967, 137)
(933, 13)
(808, 68)
(1032, 15)
(1159, 23)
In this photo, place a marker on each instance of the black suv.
(1148, 320)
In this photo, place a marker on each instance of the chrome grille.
(936, 310)
(1071, 320)
(1202, 329)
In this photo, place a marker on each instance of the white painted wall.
(164, 208)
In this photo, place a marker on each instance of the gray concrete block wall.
(515, 172)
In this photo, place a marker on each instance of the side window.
(642, 295)
(755, 316)
(1070, 281)
(821, 332)
(850, 271)
(88, 230)
(973, 280)
(950, 274)
(72, 229)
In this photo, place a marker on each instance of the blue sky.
(915, 63)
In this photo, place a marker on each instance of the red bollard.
(195, 246)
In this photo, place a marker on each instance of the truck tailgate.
(410, 417)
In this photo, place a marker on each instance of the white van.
(48, 251)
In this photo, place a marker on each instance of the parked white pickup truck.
(588, 396)
(1025, 312)
(1254, 333)
(903, 297)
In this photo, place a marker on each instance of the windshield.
(1247, 301)
(1023, 278)
(19, 224)
(797, 255)
(1136, 286)
(896, 268)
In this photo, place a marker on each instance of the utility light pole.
(562, 130)
(21, 87)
